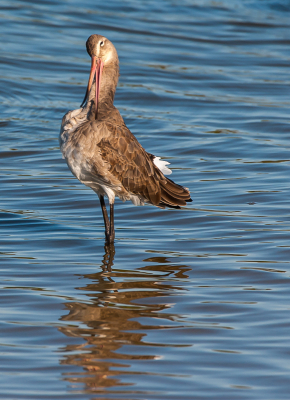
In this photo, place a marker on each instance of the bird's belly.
(79, 160)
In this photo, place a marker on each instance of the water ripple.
(189, 303)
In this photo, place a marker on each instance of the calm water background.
(195, 304)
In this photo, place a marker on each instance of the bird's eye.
(102, 43)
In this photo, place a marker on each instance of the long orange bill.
(99, 70)
(91, 78)
(96, 71)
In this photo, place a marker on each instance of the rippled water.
(194, 304)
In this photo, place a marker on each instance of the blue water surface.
(191, 303)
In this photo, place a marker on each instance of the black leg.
(105, 216)
(112, 229)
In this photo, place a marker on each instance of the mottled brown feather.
(134, 167)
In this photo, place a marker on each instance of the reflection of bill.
(111, 323)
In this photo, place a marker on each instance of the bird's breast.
(79, 147)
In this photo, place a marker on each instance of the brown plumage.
(102, 152)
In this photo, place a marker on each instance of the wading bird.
(102, 152)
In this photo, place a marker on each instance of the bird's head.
(101, 48)
(103, 54)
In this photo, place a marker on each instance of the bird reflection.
(111, 321)
(108, 259)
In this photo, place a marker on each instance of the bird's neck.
(108, 87)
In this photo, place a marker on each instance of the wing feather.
(131, 165)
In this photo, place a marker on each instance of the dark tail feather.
(173, 195)
(163, 205)
(177, 191)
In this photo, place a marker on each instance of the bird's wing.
(130, 163)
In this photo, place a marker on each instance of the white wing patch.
(162, 165)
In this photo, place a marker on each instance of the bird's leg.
(105, 216)
(112, 229)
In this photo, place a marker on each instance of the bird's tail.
(173, 195)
